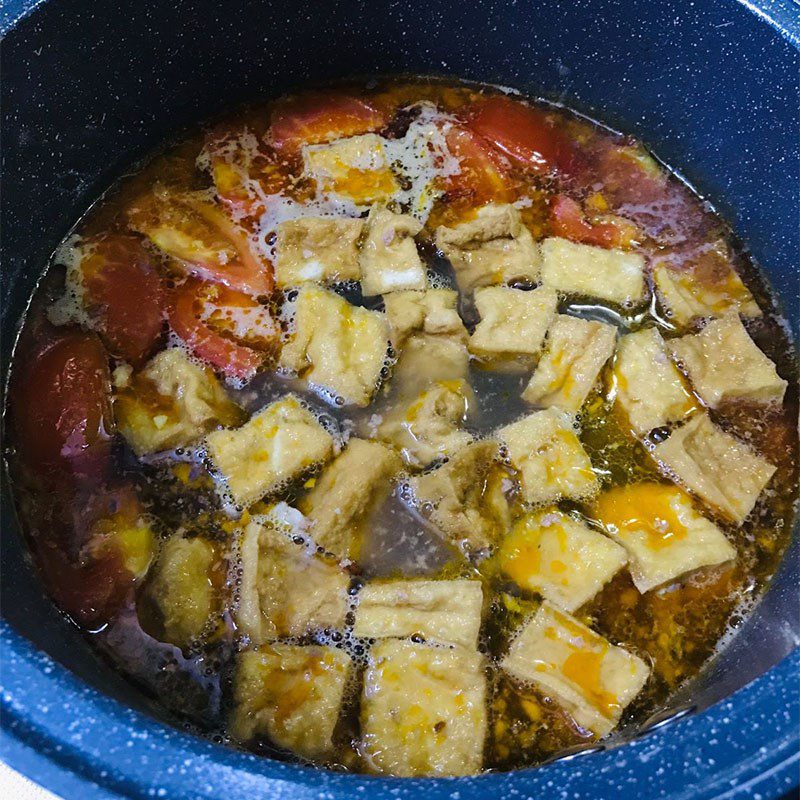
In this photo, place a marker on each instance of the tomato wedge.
(62, 408)
(523, 133)
(567, 220)
(203, 239)
(484, 175)
(319, 117)
(227, 329)
(124, 296)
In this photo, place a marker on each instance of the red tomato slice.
(227, 329)
(203, 239)
(319, 117)
(567, 220)
(62, 408)
(124, 296)
(483, 173)
(522, 132)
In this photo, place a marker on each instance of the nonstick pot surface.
(88, 87)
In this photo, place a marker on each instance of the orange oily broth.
(675, 629)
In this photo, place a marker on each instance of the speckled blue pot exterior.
(90, 85)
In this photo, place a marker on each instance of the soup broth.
(410, 428)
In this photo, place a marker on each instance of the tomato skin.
(318, 117)
(188, 304)
(124, 296)
(484, 172)
(523, 133)
(62, 408)
(567, 220)
(202, 239)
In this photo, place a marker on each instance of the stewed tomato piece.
(123, 296)
(62, 407)
(567, 220)
(202, 238)
(227, 329)
(484, 171)
(317, 117)
(523, 133)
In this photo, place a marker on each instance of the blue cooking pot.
(90, 85)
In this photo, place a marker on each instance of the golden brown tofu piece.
(650, 388)
(389, 258)
(722, 471)
(575, 352)
(358, 480)
(545, 450)
(171, 403)
(285, 589)
(464, 497)
(336, 346)
(277, 445)
(591, 678)
(317, 250)
(431, 426)
(493, 248)
(724, 363)
(433, 312)
(290, 694)
(423, 710)
(427, 359)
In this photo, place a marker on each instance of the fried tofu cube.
(549, 553)
(687, 295)
(184, 588)
(286, 590)
(171, 403)
(356, 168)
(547, 453)
(650, 388)
(423, 710)
(724, 363)
(317, 250)
(663, 534)
(493, 248)
(358, 480)
(591, 678)
(426, 359)
(465, 497)
(431, 426)
(513, 321)
(575, 352)
(432, 312)
(336, 346)
(277, 445)
(389, 258)
(722, 471)
(589, 271)
(447, 612)
(292, 695)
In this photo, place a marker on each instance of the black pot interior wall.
(88, 87)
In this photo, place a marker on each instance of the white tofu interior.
(551, 463)
(277, 445)
(588, 271)
(389, 259)
(336, 346)
(722, 471)
(423, 710)
(317, 250)
(575, 352)
(290, 694)
(663, 534)
(286, 590)
(446, 612)
(724, 363)
(591, 678)
(358, 480)
(650, 389)
(564, 561)
(493, 248)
